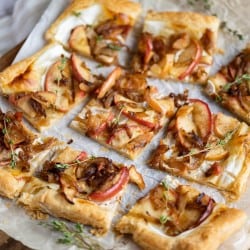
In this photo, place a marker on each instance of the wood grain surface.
(6, 242)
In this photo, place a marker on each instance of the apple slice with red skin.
(79, 69)
(134, 117)
(195, 61)
(103, 126)
(148, 43)
(101, 196)
(78, 41)
(133, 111)
(194, 118)
(58, 70)
(109, 82)
(82, 156)
(202, 118)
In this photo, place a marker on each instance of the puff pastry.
(211, 149)
(21, 154)
(177, 45)
(178, 217)
(95, 28)
(125, 114)
(46, 85)
(78, 188)
(230, 86)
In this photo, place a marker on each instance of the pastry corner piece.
(177, 45)
(230, 87)
(79, 188)
(211, 149)
(178, 217)
(46, 85)
(125, 113)
(96, 29)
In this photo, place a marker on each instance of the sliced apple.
(216, 154)
(24, 104)
(78, 41)
(224, 124)
(109, 82)
(46, 98)
(58, 77)
(202, 117)
(185, 125)
(80, 71)
(193, 123)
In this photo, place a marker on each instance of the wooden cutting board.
(6, 242)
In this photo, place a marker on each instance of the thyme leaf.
(221, 142)
(114, 46)
(163, 219)
(76, 13)
(165, 185)
(61, 165)
(74, 234)
(237, 81)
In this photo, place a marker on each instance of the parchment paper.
(13, 219)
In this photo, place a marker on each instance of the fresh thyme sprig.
(221, 142)
(163, 219)
(114, 46)
(13, 155)
(237, 81)
(73, 235)
(75, 13)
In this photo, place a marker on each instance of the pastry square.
(177, 45)
(21, 153)
(212, 149)
(78, 188)
(230, 87)
(46, 85)
(178, 217)
(125, 113)
(96, 28)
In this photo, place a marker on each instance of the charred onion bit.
(103, 177)
(196, 60)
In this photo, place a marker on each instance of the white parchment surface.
(13, 219)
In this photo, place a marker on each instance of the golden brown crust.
(127, 7)
(17, 69)
(191, 22)
(218, 88)
(222, 223)
(10, 186)
(38, 195)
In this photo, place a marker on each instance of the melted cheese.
(86, 16)
(44, 62)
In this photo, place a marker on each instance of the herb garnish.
(77, 14)
(99, 38)
(221, 142)
(13, 155)
(73, 235)
(163, 219)
(114, 46)
(237, 81)
(165, 184)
